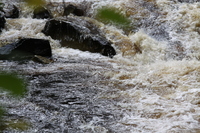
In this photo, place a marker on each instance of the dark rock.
(188, 1)
(2, 22)
(83, 36)
(1, 7)
(26, 49)
(78, 12)
(12, 13)
(74, 10)
(41, 13)
(69, 9)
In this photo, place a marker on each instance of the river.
(155, 90)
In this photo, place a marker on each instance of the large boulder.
(79, 34)
(41, 13)
(25, 49)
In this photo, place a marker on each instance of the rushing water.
(155, 89)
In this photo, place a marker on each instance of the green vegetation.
(16, 86)
(35, 2)
(12, 83)
(111, 15)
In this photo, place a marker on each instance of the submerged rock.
(41, 59)
(25, 49)
(188, 1)
(12, 12)
(2, 22)
(41, 13)
(74, 10)
(79, 34)
(69, 9)
(78, 12)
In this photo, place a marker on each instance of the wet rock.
(48, 126)
(69, 9)
(79, 34)
(12, 12)
(1, 7)
(26, 49)
(41, 13)
(41, 59)
(74, 10)
(176, 51)
(69, 103)
(78, 12)
(2, 22)
(188, 1)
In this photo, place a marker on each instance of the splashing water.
(151, 85)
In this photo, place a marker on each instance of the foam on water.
(162, 93)
(163, 96)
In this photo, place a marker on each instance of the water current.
(152, 85)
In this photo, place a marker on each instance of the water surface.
(155, 90)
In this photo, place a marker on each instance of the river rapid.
(155, 89)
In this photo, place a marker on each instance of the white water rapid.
(156, 90)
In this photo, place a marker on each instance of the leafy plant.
(12, 83)
(113, 16)
(17, 88)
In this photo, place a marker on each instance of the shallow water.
(155, 90)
